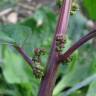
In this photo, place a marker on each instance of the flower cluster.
(38, 69)
(60, 41)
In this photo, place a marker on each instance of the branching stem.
(79, 43)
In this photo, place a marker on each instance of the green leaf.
(73, 77)
(77, 26)
(21, 35)
(82, 84)
(5, 39)
(15, 70)
(92, 89)
(17, 32)
(90, 6)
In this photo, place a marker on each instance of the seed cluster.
(74, 8)
(38, 69)
(60, 41)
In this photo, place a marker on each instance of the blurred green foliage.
(90, 7)
(7, 4)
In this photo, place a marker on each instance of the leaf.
(90, 6)
(73, 77)
(21, 35)
(92, 89)
(17, 32)
(6, 40)
(15, 70)
(82, 84)
(77, 26)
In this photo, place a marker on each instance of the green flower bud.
(38, 70)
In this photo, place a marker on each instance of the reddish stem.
(49, 79)
(24, 55)
(83, 40)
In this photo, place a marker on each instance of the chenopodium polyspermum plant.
(56, 56)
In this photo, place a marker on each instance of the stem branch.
(83, 40)
(24, 55)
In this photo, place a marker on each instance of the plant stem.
(49, 79)
(83, 40)
(24, 55)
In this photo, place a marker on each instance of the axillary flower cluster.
(38, 69)
(60, 42)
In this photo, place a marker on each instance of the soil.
(22, 9)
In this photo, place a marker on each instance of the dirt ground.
(21, 10)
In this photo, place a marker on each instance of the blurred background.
(31, 24)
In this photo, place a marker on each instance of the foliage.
(90, 6)
(7, 4)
